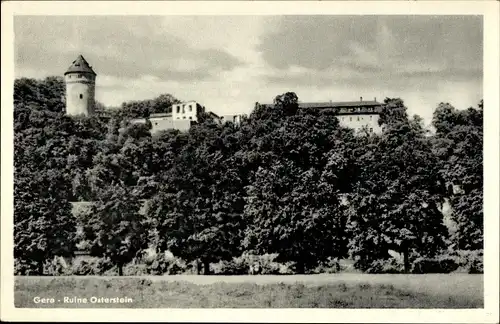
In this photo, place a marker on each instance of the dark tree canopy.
(459, 148)
(397, 198)
(295, 184)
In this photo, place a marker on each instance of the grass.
(170, 293)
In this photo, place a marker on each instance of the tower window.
(81, 96)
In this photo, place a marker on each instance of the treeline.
(297, 186)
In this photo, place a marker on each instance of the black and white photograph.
(251, 160)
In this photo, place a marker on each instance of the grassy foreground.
(167, 292)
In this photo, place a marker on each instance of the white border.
(490, 11)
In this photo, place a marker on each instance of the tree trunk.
(300, 267)
(406, 259)
(198, 267)
(40, 268)
(206, 267)
(120, 269)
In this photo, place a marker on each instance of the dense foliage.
(296, 186)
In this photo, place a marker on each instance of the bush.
(104, 266)
(469, 261)
(330, 266)
(25, 268)
(135, 270)
(476, 266)
(176, 266)
(385, 266)
(236, 266)
(262, 264)
(83, 268)
(253, 264)
(286, 268)
(443, 264)
(55, 268)
(92, 267)
(162, 264)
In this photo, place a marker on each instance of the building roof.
(213, 115)
(336, 104)
(80, 65)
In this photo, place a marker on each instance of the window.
(371, 117)
(79, 75)
(156, 123)
(178, 110)
(350, 118)
(178, 117)
(190, 117)
(358, 118)
(190, 108)
(81, 96)
(371, 130)
(184, 117)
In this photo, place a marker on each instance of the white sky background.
(227, 63)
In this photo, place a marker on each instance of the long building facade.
(357, 115)
(181, 116)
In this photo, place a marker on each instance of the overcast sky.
(227, 63)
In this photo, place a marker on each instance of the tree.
(116, 230)
(144, 108)
(47, 94)
(397, 197)
(288, 103)
(298, 196)
(393, 111)
(43, 224)
(198, 210)
(458, 144)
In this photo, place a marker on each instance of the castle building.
(179, 116)
(80, 88)
(352, 114)
(236, 119)
(187, 110)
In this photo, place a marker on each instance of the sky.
(227, 63)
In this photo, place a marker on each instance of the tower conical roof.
(80, 65)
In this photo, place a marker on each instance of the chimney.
(360, 98)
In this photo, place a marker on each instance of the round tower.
(80, 88)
